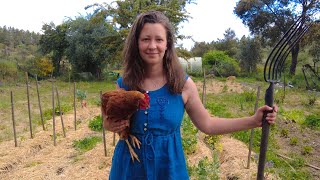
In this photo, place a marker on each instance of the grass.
(45, 91)
(87, 143)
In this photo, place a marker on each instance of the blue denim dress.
(158, 128)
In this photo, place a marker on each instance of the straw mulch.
(38, 158)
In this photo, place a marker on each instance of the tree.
(250, 54)
(89, 44)
(200, 48)
(53, 41)
(272, 18)
(121, 13)
(229, 44)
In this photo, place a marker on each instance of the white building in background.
(193, 65)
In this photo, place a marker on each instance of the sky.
(210, 18)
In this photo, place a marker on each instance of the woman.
(151, 65)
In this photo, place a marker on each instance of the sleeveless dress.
(158, 129)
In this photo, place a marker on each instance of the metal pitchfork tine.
(272, 73)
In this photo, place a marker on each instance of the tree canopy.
(272, 18)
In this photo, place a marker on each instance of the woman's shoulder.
(121, 84)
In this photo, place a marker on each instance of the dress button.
(145, 129)
(145, 124)
(146, 112)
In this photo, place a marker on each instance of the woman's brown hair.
(133, 63)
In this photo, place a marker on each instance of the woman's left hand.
(271, 115)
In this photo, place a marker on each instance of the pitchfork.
(272, 73)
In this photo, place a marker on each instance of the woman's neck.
(154, 72)
(154, 78)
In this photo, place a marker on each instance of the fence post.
(13, 121)
(252, 130)
(103, 130)
(53, 116)
(29, 109)
(60, 112)
(74, 106)
(42, 122)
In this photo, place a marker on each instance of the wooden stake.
(53, 116)
(13, 121)
(29, 109)
(103, 130)
(204, 88)
(42, 121)
(64, 132)
(252, 130)
(74, 106)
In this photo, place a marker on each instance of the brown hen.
(120, 105)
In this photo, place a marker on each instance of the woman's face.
(152, 43)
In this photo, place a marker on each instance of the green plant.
(212, 140)
(218, 109)
(206, 169)
(312, 121)
(293, 141)
(81, 95)
(284, 133)
(306, 150)
(295, 115)
(189, 136)
(96, 124)
(86, 144)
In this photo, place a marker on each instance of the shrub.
(221, 64)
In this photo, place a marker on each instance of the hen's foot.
(132, 153)
(135, 141)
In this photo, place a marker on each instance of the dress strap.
(121, 84)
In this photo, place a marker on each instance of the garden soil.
(38, 158)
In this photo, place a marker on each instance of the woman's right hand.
(115, 125)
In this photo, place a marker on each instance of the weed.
(206, 169)
(312, 121)
(86, 144)
(284, 133)
(212, 140)
(189, 134)
(294, 115)
(32, 164)
(95, 124)
(293, 141)
(218, 109)
(81, 95)
(306, 150)
(225, 88)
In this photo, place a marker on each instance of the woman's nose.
(152, 44)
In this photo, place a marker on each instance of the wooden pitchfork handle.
(265, 132)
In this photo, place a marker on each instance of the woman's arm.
(214, 125)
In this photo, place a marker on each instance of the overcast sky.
(210, 17)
